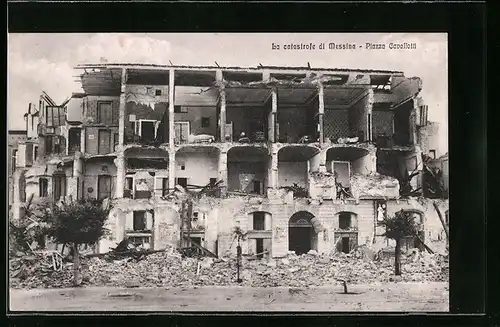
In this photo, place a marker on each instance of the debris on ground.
(169, 268)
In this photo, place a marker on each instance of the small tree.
(76, 223)
(397, 227)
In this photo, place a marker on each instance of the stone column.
(222, 106)
(171, 169)
(171, 105)
(120, 174)
(223, 175)
(82, 140)
(222, 114)
(273, 178)
(321, 111)
(121, 116)
(371, 100)
(322, 161)
(272, 118)
(268, 222)
(75, 181)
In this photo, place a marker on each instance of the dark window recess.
(132, 127)
(35, 155)
(129, 182)
(213, 181)
(259, 248)
(344, 220)
(345, 244)
(116, 138)
(22, 188)
(182, 181)
(103, 187)
(205, 122)
(147, 131)
(196, 240)
(59, 186)
(49, 144)
(104, 113)
(157, 92)
(195, 216)
(164, 186)
(177, 109)
(74, 140)
(54, 116)
(432, 154)
(139, 220)
(256, 187)
(14, 155)
(43, 185)
(104, 138)
(259, 221)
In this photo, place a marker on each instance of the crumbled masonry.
(168, 269)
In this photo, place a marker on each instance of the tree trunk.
(76, 266)
(397, 258)
(345, 286)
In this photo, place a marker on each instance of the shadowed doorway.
(301, 235)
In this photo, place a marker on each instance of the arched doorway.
(301, 235)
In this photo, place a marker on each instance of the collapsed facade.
(299, 159)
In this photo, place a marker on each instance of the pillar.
(222, 106)
(223, 175)
(369, 129)
(273, 178)
(272, 118)
(322, 161)
(321, 112)
(120, 174)
(121, 115)
(222, 115)
(171, 105)
(82, 140)
(267, 221)
(171, 169)
(76, 179)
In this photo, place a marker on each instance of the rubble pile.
(40, 270)
(170, 269)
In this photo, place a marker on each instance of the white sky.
(44, 62)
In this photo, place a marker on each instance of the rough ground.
(168, 269)
(376, 297)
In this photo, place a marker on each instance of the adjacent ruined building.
(299, 159)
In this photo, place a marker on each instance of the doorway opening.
(301, 235)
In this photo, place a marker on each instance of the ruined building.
(299, 159)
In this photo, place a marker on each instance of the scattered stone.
(163, 269)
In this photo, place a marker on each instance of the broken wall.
(92, 171)
(90, 108)
(428, 138)
(292, 123)
(198, 167)
(247, 120)
(358, 117)
(195, 96)
(382, 122)
(404, 88)
(75, 110)
(195, 116)
(336, 124)
(435, 236)
(293, 172)
(100, 140)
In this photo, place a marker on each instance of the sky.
(44, 62)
